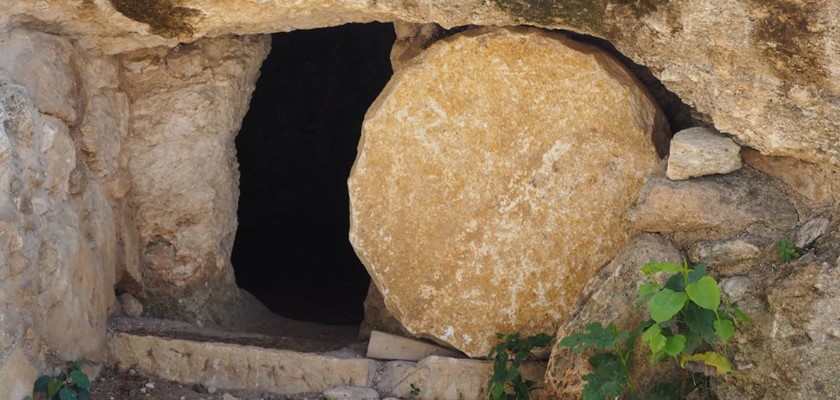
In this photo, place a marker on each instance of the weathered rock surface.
(238, 367)
(790, 350)
(187, 105)
(449, 378)
(609, 297)
(817, 183)
(513, 201)
(351, 393)
(713, 207)
(378, 318)
(765, 72)
(58, 232)
(701, 151)
(16, 375)
(717, 254)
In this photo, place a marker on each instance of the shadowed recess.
(295, 150)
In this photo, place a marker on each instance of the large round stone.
(492, 181)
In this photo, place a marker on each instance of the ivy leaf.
(724, 328)
(709, 363)
(698, 319)
(80, 379)
(596, 335)
(698, 272)
(674, 345)
(41, 384)
(67, 394)
(692, 342)
(665, 304)
(740, 315)
(705, 293)
(646, 291)
(53, 386)
(654, 267)
(654, 337)
(607, 379)
(676, 283)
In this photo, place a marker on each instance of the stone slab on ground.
(238, 367)
(385, 346)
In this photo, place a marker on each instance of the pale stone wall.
(63, 118)
(187, 104)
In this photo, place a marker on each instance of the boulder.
(492, 182)
(610, 297)
(701, 151)
(716, 207)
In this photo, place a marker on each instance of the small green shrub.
(507, 357)
(414, 392)
(69, 384)
(786, 251)
(688, 322)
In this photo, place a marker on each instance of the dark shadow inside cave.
(295, 150)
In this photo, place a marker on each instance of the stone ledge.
(232, 366)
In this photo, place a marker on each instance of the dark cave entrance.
(295, 150)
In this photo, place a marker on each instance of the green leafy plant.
(688, 322)
(611, 365)
(69, 384)
(507, 357)
(414, 393)
(786, 251)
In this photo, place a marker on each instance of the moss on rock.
(165, 17)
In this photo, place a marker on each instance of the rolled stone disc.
(492, 180)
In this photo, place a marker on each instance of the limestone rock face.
(765, 72)
(58, 232)
(187, 105)
(790, 348)
(493, 175)
(701, 151)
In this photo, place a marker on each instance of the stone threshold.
(238, 366)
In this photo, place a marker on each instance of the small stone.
(142, 390)
(150, 385)
(723, 253)
(736, 287)
(810, 231)
(228, 396)
(130, 305)
(701, 151)
(212, 389)
(351, 393)
(183, 398)
(199, 388)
